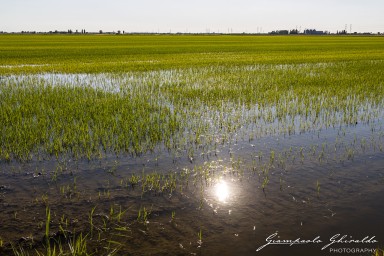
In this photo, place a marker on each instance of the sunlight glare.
(222, 191)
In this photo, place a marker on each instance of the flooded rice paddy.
(231, 157)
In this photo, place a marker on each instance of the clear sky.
(250, 16)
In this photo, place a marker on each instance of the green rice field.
(190, 144)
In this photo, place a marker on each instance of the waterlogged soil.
(311, 186)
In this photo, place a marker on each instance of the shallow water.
(235, 218)
(321, 182)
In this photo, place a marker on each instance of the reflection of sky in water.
(222, 191)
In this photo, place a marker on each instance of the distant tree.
(100, 31)
(279, 32)
(118, 32)
(294, 32)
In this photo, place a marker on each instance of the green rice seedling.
(254, 170)
(321, 156)
(272, 157)
(112, 251)
(313, 148)
(120, 214)
(200, 237)
(91, 220)
(74, 184)
(260, 156)
(19, 251)
(49, 250)
(363, 144)
(58, 169)
(134, 180)
(318, 187)
(265, 182)
(143, 215)
(47, 222)
(173, 215)
(105, 224)
(78, 245)
(302, 154)
(350, 153)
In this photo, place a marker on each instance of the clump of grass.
(378, 252)
(19, 251)
(78, 245)
(265, 182)
(142, 215)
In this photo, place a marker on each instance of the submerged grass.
(91, 116)
(42, 120)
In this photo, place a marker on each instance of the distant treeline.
(275, 32)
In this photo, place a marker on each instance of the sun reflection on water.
(222, 191)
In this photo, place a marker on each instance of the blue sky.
(191, 15)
